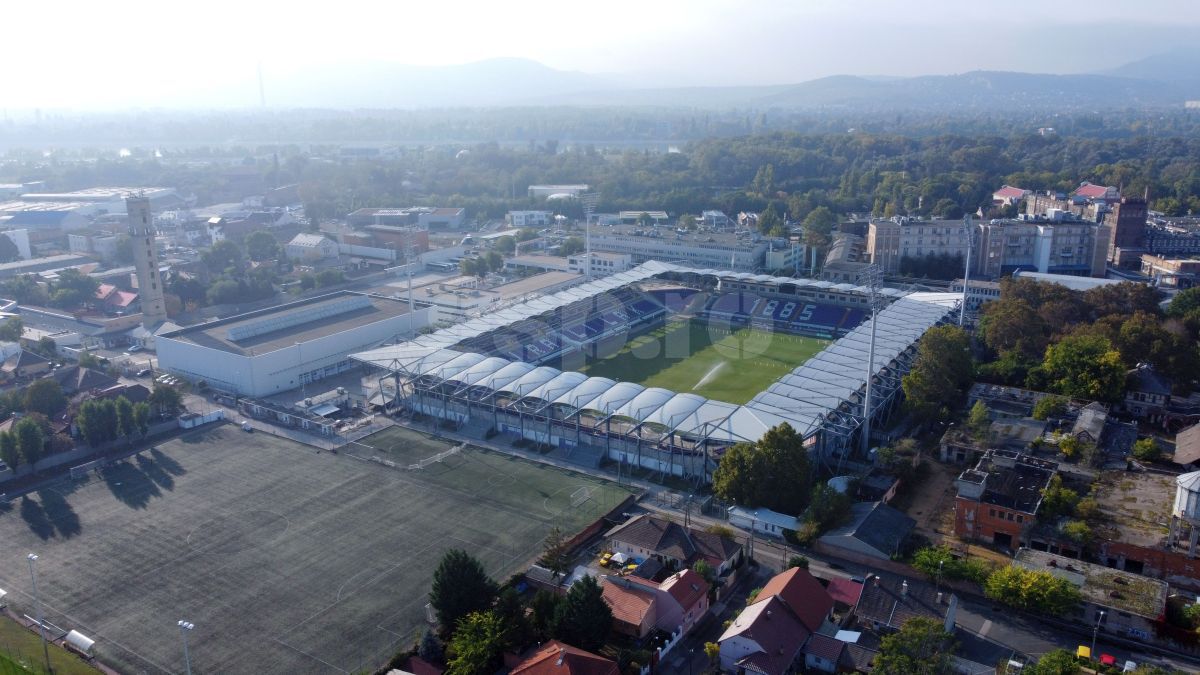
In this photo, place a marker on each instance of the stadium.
(665, 366)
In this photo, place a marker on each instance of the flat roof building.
(720, 250)
(543, 191)
(280, 348)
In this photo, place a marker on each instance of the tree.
(166, 400)
(224, 291)
(330, 277)
(495, 261)
(940, 373)
(126, 426)
(31, 440)
(1032, 590)
(460, 586)
(141, 417)
(978, 420)
(773, 473)
(818, 225)
(45, 396)
(223, 256)
(11, 329)
(1057, 500)
(123, 252)
(10, 454)
(921, 646)
(67, 298)
(705, 570)
(797, 561)
(430, 649)
(827, 507)
(191, 291)
(517, 631)
(262, 245)
(1057, 662)
(506, 245)
(1012, 325)
(542, 609)
(554, 556)
(1085, 366)
(1146, 449)
(713, 651)
(477, 644)
(8, 250)
(1050, 406)
(571, 246)
(1185, 303)
(1077, 531)
(308, 281)
(583, 619)
(940, 562)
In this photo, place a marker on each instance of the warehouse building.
(281, 348)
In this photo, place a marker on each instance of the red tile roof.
(844, 591)
(825, 647)
(774, 627)
(1009, 192)
(628, 605)
(559, 658)
(802, 593)
(687, 587)
(419, 666)
(1091, 191)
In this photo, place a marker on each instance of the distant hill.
(1164, 80)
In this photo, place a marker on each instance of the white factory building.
(281, 348)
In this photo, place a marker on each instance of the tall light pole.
(37, 603)
(962, 311)
(184, 627)
(1095, 631)
(872, 276)
(938, 584)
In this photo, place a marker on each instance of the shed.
(874, 529)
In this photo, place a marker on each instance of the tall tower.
(145, 260)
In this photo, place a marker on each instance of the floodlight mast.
(872, 277)
(962, 310)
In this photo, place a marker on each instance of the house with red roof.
(560, 658)
(1097, 193)
(111, 299)
(676, 603)
(769, 636)
(1009, 195)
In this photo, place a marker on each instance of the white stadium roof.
(803, 398)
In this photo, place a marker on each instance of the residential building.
(1147, 394)
(1054, 245)
(827, 654)
(1171, 272)
(560, 658)
(673, 605)
(1097, 193)
(889, 242)
(1120, 603)
(888, 605)
(874, 529)
(785, 256)
(672, 544)
(997, 501)
(1009, 195)
(280, 348)
(306, 247)
(717, 220)
(769, 635)
(25, 363)
(980, 292)
(530, 218)
(399, 237)
(1127, 231)
(634, 607)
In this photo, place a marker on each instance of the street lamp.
(184, 627)
(1095, 630)
(32, 557)
(938, 585)
(691, 657)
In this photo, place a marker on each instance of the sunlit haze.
(115, 55)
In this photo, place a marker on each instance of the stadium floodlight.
(184, 628)
(962, 310)
(872, 277)
(32, 557)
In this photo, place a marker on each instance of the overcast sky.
(85, 54)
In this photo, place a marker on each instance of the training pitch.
(707, 358)
(286, 560)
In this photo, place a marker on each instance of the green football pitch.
(708, 359)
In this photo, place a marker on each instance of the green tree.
(517, 631)
(1057, 662)
(1032, 590)
(141, 417)
(11, 329)
(126, 426)
(1057, 500)
(430, 648)
(123, 252)
(1146, 449)
(555, 553)
(477, 644)
(1085, 366)
(583, 619)
(940, 374)
(827, 507)
(571, 246)
(940, 560)
(1185, 303)
(262, 245)
(978, 420)
(1012, 325)
(45, 396)
(774, 472)
(921, 647)
(10, 454)
(713, 651)
(31, 440)
(506, 245)
(798, 561)
(224, 291)
(224, 256)
(330, 277)
(1077, 531)
(165, 400)
(495, 261)
(542, 608)
(308, 281)
(1050, 406)
(460, 586)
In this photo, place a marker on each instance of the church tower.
(145, 260)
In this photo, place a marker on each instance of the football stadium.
(664, 366)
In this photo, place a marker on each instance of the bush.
(1035, 591)
(1146, 450)
(1077, 531)
(1051, 406)
(798, 561)
(927, 560)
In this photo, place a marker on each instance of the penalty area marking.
(712, 373)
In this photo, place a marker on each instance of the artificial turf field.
(707, 358)
(286, 560)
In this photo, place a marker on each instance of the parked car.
(143, 372)
(133, 348)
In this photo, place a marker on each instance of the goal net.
(580, 496)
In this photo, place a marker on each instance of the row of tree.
(103, 420)
(25, 443)
(480, 622)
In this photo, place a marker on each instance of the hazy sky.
(85, 54)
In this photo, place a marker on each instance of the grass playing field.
(707, 359)
(286, 560)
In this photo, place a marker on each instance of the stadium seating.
(796, 316)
